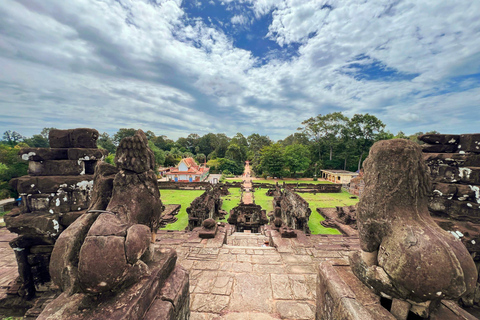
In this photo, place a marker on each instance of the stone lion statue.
(405, 254)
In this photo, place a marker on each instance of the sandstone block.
(80, 199)
(38, 202)
(44, 224)
(439, 148)
(60, 202)
(73, 138)
(42, 154)
(453, 159)
(56, 168)
(451, 174)
(457, 191)
(469, 143)
(51, 184)
(458, 210)
(43, 248)
(59, 138)
(439, 138)
(86, 154)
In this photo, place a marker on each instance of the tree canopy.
(328, 141)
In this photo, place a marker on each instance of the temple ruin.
(89, 245)
(54, 194)
(207, 206)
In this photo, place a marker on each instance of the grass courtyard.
(182, 197)
(325, 200)
(319, 200)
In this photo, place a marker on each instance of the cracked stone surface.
(244, 279)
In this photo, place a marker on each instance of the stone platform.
(236, 276)
(246, 279)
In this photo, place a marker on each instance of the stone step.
(226, 246)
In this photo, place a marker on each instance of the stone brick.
(59, 138)
(469, 143)
(80, 199)
(56, 168)
(51, 184)
(295, 310)
(454, 159)
(38, 202)
(73, 138)
(44, 224)
(42, 154)
(439, 148)
(86, 154)
(439, 138)
(458, 210)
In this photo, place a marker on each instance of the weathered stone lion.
(107, 248)
(405, 254)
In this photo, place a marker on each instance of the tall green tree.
(11, 167)
(12, 138)
(297, 158)
(311, 128)
(364, 128)
(296, 138)
(272, 159)
(159, 153)
(105, 142)
(326, 129)
(37, 141)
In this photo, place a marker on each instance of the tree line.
(331, 141)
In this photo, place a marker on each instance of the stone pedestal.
(340, 295)
(163, 294)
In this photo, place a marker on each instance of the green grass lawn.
(320, 200)
(263, 200)
(272, 181)
(325, 200)
(231, 201)
(182, 197)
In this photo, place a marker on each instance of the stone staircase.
(243, 239)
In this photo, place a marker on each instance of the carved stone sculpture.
(405, 254)
(107, 248)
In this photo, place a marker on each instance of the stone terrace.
(236, 276)
(244, 279)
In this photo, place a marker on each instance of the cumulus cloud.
(149, 64)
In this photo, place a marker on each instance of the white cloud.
(240, 19)
(133, 63)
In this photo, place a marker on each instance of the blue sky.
(197, 66)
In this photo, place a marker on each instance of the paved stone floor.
(244, 279)
(8, 264)
(238, 277)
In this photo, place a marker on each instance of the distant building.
(163, 171)
(188, 171)
(338, 176)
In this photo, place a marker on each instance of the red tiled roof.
(190, 162)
